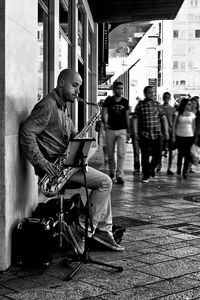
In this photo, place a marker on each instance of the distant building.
(178, 53)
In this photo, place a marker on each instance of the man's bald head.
(67, 74)
(68, 84)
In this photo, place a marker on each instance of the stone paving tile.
(7, 276)
(5, 290)
(182, 252)
(175, 245)
(159, 232)
(136, 236)
(195, 257)
(115, 281)
(139, 293)
(164, 240)
(175, 285)
(185, 236)
(196, 242)
(186, 295)
(153, 258)
(110, 256)
(31, 282)
(138, 245)
(66, 291)
(172, 268)
(168, 222)
(195, 276)
(126, 263)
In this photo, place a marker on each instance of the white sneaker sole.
(120, 248)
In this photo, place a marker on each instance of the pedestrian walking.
(167, 146)
(195, 110)
(148, 118)
(116, 125)
(183, 133)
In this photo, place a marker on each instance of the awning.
(126, 11)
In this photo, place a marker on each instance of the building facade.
(186, 49)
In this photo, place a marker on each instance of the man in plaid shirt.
(148, 119)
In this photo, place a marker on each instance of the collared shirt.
(149, 112)
(48, 129)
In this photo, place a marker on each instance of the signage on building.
(153, 83)
(106, 42)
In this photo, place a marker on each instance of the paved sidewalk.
(162, 247)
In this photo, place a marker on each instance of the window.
(175, 34)
(194, 3)
(182, 82)
(42, 48)
(65, 17)
(65, 34)
(175, 65)
(191, 17)
(182, 65)
(90, 50)
(190, 64)
(197, 33)
(80, 33)
(182, 34)
(63, 52)
(179, 51)
(191, 50)
(190, 34)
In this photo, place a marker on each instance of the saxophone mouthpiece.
(79, 99)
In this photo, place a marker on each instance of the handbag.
(195, 154)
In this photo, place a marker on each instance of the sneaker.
(145, 179)
(169, 172)
(120, 180)
(105, 238)
(75, 238)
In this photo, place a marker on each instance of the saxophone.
(50, 185)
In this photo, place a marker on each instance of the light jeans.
(100, 185)
(116, 138)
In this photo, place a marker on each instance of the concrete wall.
(18, 62)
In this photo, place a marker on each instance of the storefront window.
(80, 34)
(42, 36)
(90, 50)
(65, 34)
(63, 52)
